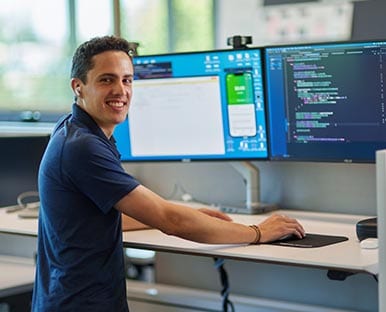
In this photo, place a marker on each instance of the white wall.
(329, 187)
(277, 24)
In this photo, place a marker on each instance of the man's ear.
(76, 86)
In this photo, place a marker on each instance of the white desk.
(344, 256)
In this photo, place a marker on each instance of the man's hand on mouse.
(278, 226)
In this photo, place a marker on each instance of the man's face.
(107, 94)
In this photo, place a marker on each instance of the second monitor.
(326, 102)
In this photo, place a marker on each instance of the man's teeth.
(116, 104)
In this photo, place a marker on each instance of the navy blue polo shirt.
(80, 265)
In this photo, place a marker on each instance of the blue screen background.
(210, 63)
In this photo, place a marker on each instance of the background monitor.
(326, 102)
(196, 106)
(19, 164)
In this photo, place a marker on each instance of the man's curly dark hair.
(82, 61)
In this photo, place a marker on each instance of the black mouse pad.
(310, 241)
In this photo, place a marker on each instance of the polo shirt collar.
(83, 117)
(78, 114)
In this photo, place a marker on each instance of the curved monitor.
(196, 106)
(326, 102)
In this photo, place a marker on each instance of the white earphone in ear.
(77, 91)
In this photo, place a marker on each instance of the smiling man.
(84, 190)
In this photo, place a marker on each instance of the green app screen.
(239, 88)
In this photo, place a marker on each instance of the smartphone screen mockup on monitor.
(241, 104)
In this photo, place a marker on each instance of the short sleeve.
(94, 168)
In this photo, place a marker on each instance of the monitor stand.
(250, 175)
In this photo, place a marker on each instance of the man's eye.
(128, 81)
(107, 80)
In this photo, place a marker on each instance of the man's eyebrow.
(115, 75)
(107, 74)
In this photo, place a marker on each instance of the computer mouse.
(289, 237)
(369, 243)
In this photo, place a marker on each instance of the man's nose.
(120, 88)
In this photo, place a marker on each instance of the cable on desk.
(219, 264)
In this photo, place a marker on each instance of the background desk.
(10, 223)
(17, 265)
(17, 275)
